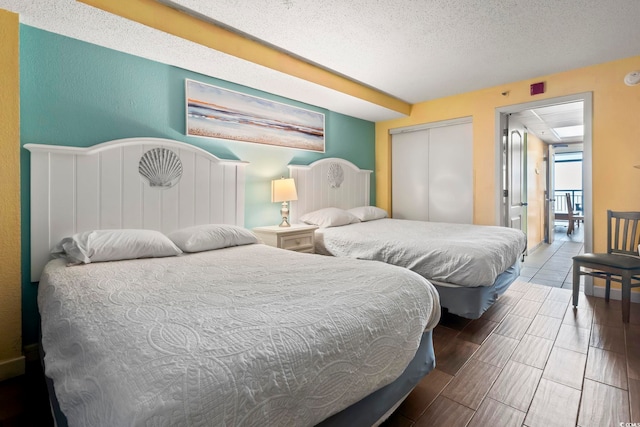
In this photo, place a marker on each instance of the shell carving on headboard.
(161, 166)
(335, 175)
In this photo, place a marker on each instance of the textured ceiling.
(413, 50)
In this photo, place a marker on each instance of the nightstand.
(298, 237)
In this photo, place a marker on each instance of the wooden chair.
(620, 264)
(572, 216)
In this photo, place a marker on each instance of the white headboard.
(100, 187)
(329, 182)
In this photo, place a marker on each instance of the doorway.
(502, 177)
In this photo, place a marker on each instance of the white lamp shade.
(283, 190)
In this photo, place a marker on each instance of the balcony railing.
(561, 201)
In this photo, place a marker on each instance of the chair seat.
(624, 262)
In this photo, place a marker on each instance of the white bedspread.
(248, 335)
(461, 254)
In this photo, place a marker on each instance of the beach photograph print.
(213, 112)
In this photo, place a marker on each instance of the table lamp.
(284, 190)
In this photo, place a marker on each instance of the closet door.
(432, 173)
(451, 174)
(410, 175)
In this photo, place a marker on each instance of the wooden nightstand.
(298, 237)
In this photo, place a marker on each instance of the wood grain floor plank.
(553, 308)
(634, 398)
(632, 338)
(581, 317)
(511, 297)
(607, 367)
(516, 385)
(633, 366)
(477, 330)
(565, 367)
(497, 312)
(445, 412)
(537, 293)
(526, 308)
(520, 286)
(424, 394)
(603, 405)
(554, 405)
(451, 358)
(544, 327)
(513, 326)
(442, 336)
(608, 315)
(471, 383)
(607, 338)
(496, 350)
(632, 341)
(494, 413)
(573, 338)
(561, 295)
(533, 351)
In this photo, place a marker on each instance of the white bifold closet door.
(432, 173)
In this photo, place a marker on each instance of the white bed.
(470, 265)
(240, 335)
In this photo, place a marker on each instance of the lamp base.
(285, 223)
(284, 212)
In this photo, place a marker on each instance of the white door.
(516, 176)
(550, 199)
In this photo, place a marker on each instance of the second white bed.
(459, 254)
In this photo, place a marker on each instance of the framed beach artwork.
(214, 112)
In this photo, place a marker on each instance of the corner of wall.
(11, 359)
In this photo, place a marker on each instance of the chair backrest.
(622, 232)
(569, 206)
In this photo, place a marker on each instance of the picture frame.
(215, 112)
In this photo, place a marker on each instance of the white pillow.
(114, 245)
(329, 217)
(207, 237)
(368, 213)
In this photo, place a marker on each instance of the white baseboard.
(598, 291)
(12, 368)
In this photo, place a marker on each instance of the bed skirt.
(472, 302)
(367, 412)
(370, 410)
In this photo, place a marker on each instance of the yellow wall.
(11, 362)
(535, 191)
(616, 135)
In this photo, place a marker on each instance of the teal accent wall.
(79, 94)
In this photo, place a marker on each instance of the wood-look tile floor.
(532, 360)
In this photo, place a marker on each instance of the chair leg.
(626, 297)
(576, 282)
(607, 288)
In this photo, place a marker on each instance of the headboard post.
(103, 187)
(329, 182)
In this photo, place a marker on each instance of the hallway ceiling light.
(569, 131)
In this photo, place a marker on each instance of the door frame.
(587, 155)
